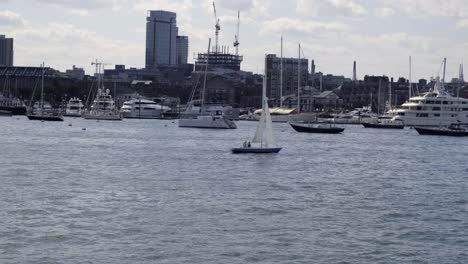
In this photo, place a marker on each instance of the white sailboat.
(263, 141)
(204, 118)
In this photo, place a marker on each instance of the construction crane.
(236, 37)
(217, 27)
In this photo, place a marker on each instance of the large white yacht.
(142, 108)
(74, 107)
(103, 107)
(434, 108)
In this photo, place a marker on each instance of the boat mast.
(378, 98)
(42, 87)
(409, 79)
(281, 74)
(443, 79)
(299, 80)
(204, 78)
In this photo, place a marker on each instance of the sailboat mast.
(204, 78)
(409, 79)
(378, 98)
(299, 80)
(42, 87)
(443, 79)
(281, 74)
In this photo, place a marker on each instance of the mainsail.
(264, 133)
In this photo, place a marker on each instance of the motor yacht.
(75, 107)
(142, 108)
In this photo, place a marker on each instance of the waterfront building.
(290, 76)
(161, 38)
(76, 73)
(182, 44)
(6, 51)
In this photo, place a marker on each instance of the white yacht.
(75, 107)
(142, 108)
(434, 108)
(103, 107)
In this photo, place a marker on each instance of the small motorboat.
(454, 130)
(326, 128)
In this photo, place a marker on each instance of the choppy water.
(149, 192)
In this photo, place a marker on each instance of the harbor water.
(147, 191)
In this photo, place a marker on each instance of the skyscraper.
(161, 35)
(6, 51)
(182, 49)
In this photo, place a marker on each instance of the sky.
(379, 34)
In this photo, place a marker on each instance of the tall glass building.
(161, 36)
(182, 50)
(6, 51)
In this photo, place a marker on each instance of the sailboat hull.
(315, 129)
(255, 150)
(45, 118)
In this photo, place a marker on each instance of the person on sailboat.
(248, 144)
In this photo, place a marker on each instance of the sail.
(269, 140)
(258, 138)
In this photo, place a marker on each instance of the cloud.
(12, 19)
(83, 4)
(431, 8)
(462, 23)
(288, 25)
(70, 44)
(385, 12)
(345, 8)
(242, 5)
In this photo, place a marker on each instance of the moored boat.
(325, 128)
(455, 130)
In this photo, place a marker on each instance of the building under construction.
(219, 59)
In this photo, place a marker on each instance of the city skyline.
(379, 35)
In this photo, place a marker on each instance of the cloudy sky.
(378, 34)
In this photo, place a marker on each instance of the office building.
(182, 49)
(290, 76)
(6, 51)
(161, 37)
